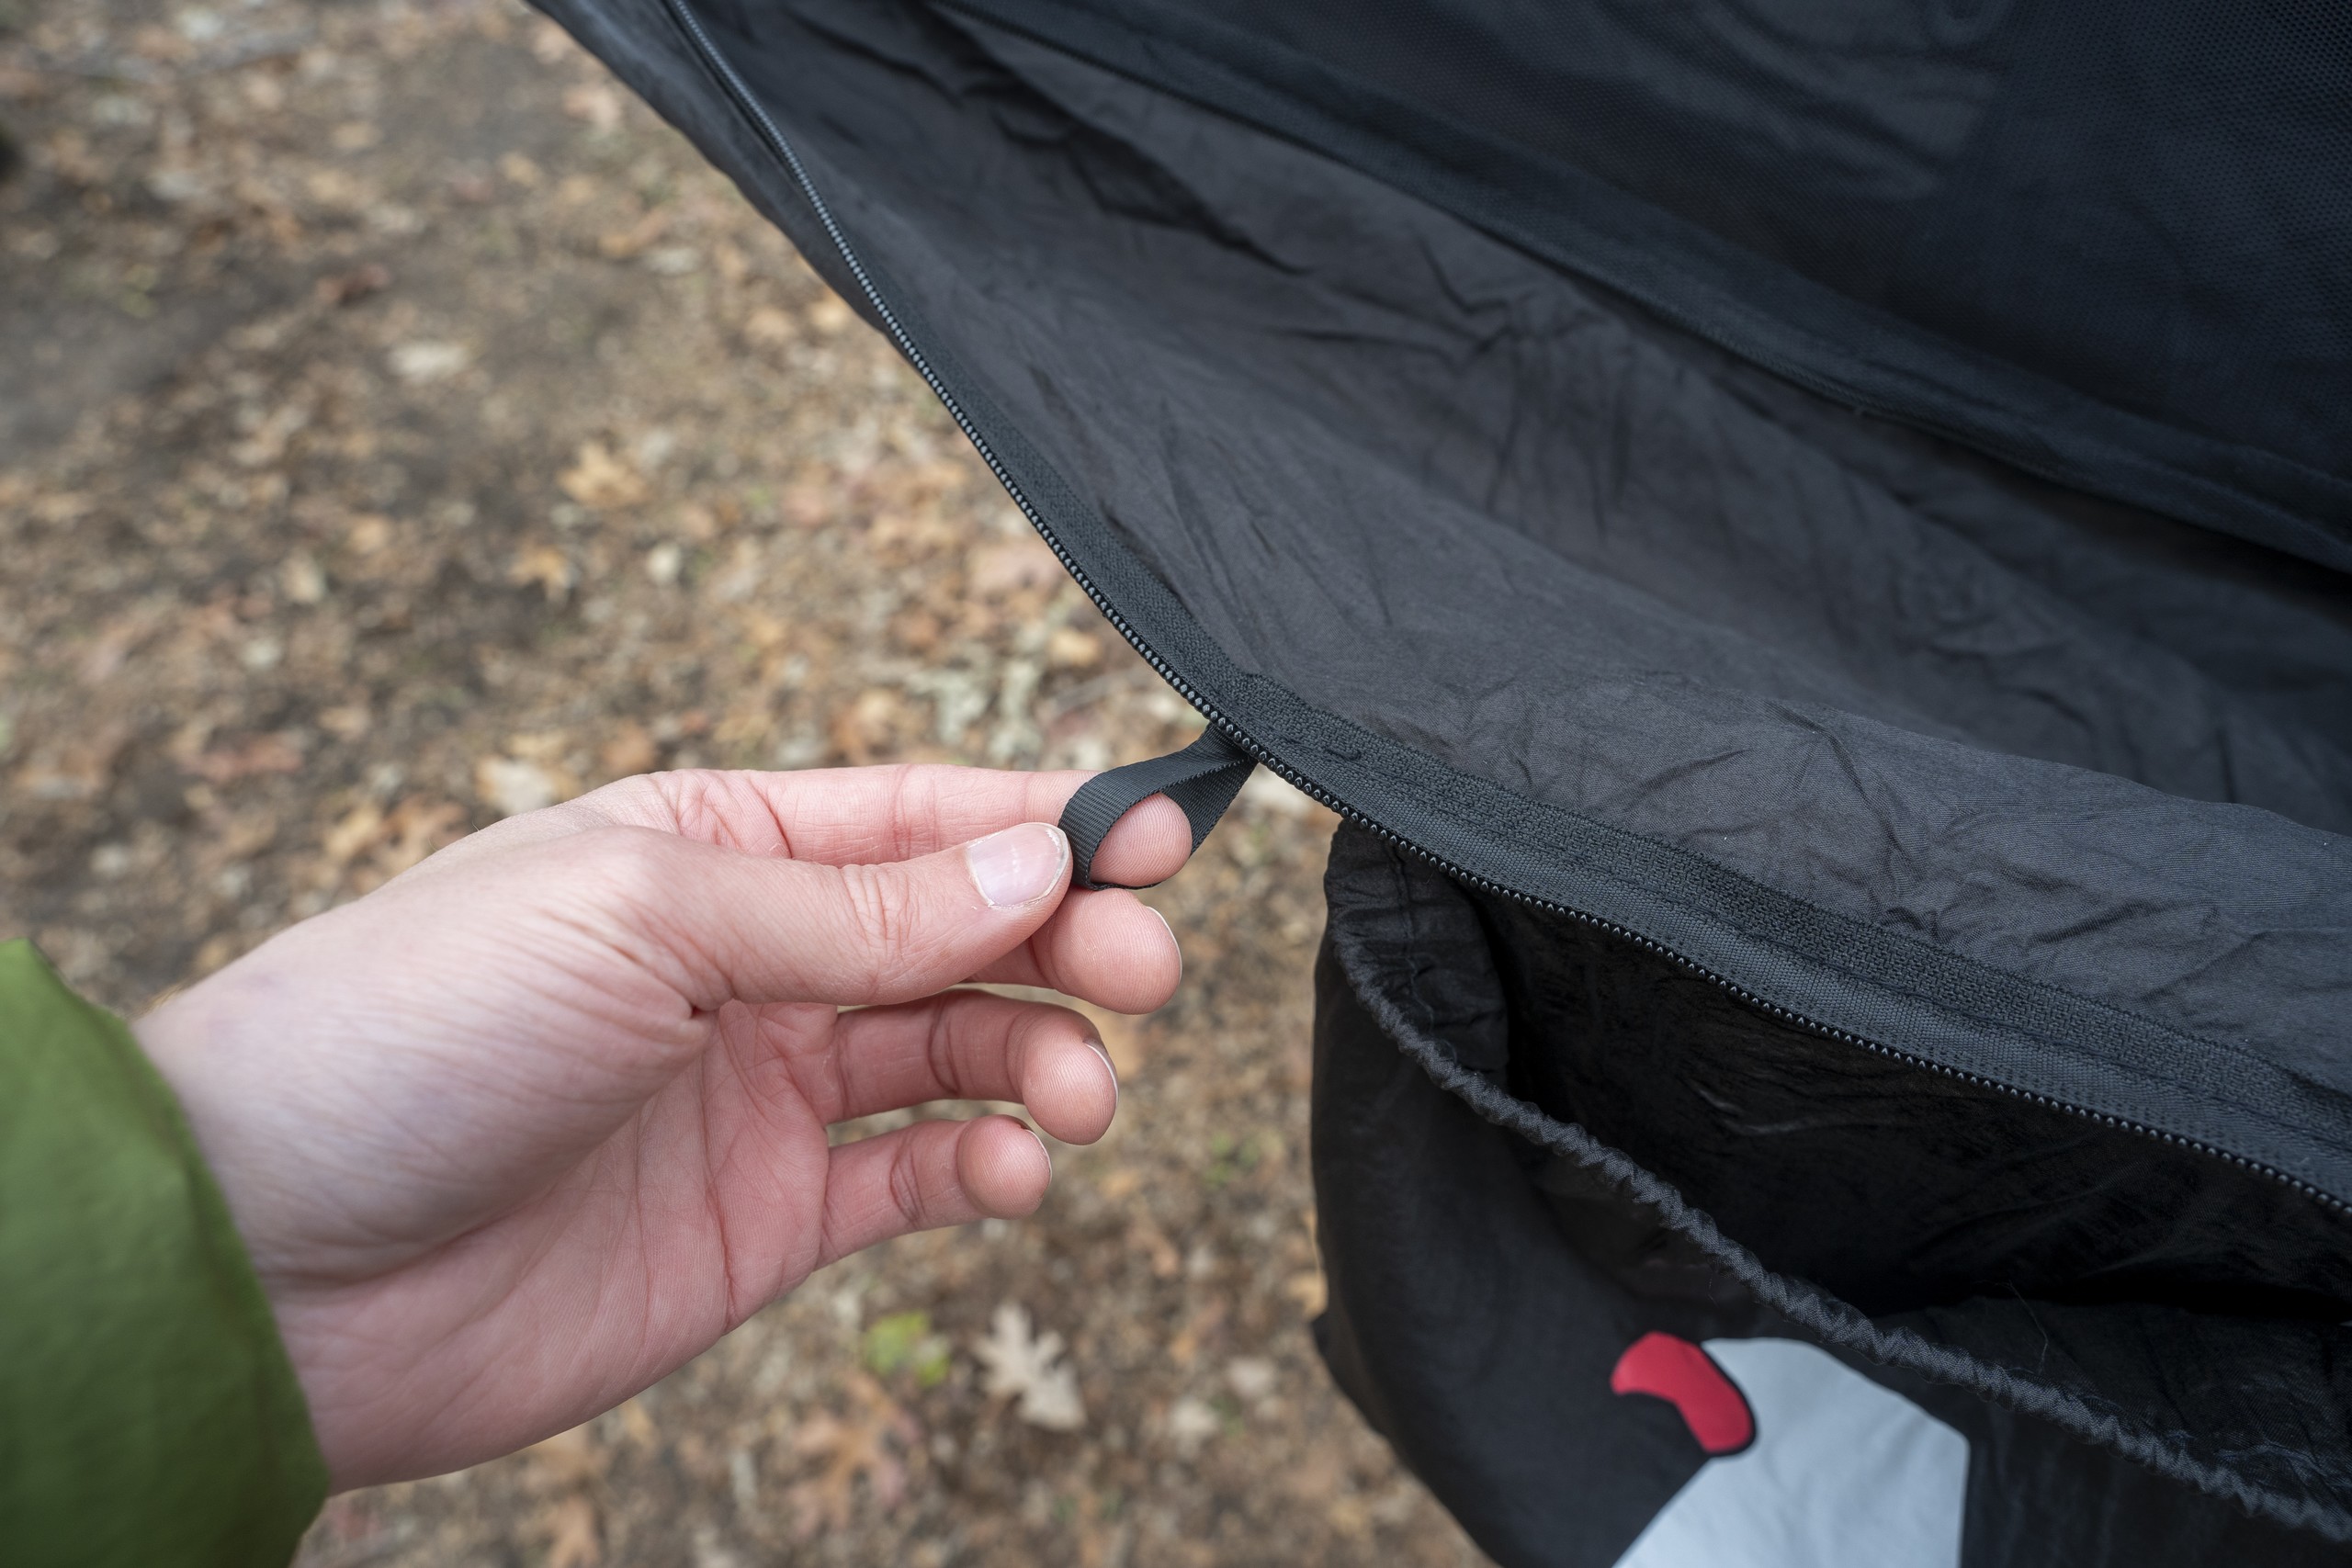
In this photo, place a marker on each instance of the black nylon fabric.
(1500, 539)
(1900, 740)
(1868, 196)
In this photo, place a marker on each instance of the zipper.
(739, 93)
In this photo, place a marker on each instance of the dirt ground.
(401, 429)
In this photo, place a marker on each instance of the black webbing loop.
(1203, 779)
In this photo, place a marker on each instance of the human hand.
(532, 1124)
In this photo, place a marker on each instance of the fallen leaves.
(548, 567)
(630, 749)
(279, 753)
(870, 1442)
(387, 526)
(1190, 1423)
(352, 286)
(301, 579)
(392, 840)
(1010, 565)
(571, 1465)
(872, 725)
(598, 103)
(1031, 1369)
(830, 314)
(573, 1541)
(1066, 648)
(1252, 1377)
(904, 1340)
(601, 481)
(425, 361)
(1310, 1290)
(353, 833)
(513, 785)
(768, 327)
(624, 244)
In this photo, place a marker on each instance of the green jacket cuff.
(148, 1412)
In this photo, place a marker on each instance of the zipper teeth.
(737, 90)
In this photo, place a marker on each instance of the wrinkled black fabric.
(2103, 240)
(1480, 1287)
(1909, 743)
(1565, 583)
(1892, 1186)
(1528, 565)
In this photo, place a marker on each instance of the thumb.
(758, 929)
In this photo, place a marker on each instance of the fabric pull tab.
(1203, 779)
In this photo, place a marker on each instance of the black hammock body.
(1808, 540)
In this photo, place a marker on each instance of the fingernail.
(1041, 1149)
(1171, 939)
(1109, 1067)
(1019, 865)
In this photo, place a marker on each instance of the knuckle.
(631, 864)
(939, 1044)
(880, 906)
(906, 1183)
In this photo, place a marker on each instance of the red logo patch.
(1686, 1378)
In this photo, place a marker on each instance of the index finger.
(869, 815)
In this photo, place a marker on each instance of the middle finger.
(969, 1045)
(1109, 948)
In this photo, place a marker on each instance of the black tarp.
(1816, 533)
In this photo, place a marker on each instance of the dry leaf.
(1031, 1368)
(424, 362)
(346, 721)
(866, 1443)
(870, 726)
(621, 244)
(545, 565)
(1147, 1237)
(572, 1538)
(1252, 1377)
(275, 753)
(598, 103)
(551, 45)
(630, 749)
(567, 1460)
(1184, 1347)
(416, 827)
(600, 481)
(768, 327)
(513, 786)
(350, 287)
(1191, 1422)
(1066, 648)
(1011, 565)
(355, 833)
(637, 1426)
(301, 579)
(368, 533)
(831, 315)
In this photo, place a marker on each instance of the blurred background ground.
(401, 429)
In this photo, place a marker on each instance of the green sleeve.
(147, 1413)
